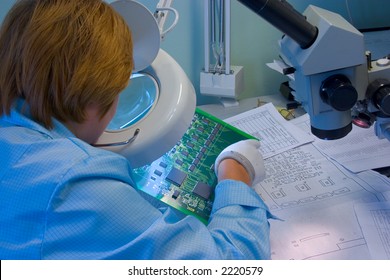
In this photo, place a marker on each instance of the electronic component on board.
(176, 176)
(203, 190)
(175, 194)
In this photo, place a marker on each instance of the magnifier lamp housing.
(168, 119)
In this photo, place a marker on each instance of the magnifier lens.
(135, 101)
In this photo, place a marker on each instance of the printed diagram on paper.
(301, 176)
(267, 124)
(374, 219)
(315, 199)
(313, 196)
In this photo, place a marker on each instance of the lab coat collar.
(20, 115)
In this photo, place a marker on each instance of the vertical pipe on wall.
(207, 5)
(227, 36)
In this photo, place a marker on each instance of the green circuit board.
(184, 177)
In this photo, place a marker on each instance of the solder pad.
(184, 177)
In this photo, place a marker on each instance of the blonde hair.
(60, 55)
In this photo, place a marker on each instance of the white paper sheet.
(279, 66)
(276, 134)
(313, 195)
(360, 150)
(374, 218)
(315, 199)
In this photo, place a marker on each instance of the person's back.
(38, 166)
(63, 66)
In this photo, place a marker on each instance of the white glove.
(247, 153)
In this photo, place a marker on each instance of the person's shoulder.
(87, 152)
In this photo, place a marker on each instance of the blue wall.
(254, 41)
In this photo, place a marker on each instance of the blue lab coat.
(61, 198)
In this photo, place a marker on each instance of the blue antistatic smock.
(61, 198)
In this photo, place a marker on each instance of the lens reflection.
(134, 102)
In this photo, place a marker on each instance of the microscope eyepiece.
(284, 17)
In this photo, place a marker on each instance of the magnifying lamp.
(157, 107)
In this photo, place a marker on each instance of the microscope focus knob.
(338, 92)
(383, 100)
(379, 94)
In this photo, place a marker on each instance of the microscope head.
(331, 75)
(327, 57)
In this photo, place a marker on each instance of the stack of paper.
(317, 196)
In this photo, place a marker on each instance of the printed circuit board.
(184, 177)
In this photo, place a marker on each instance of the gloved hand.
(247, 154)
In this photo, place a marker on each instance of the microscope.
(331, 75)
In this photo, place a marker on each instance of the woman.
(63, 65)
